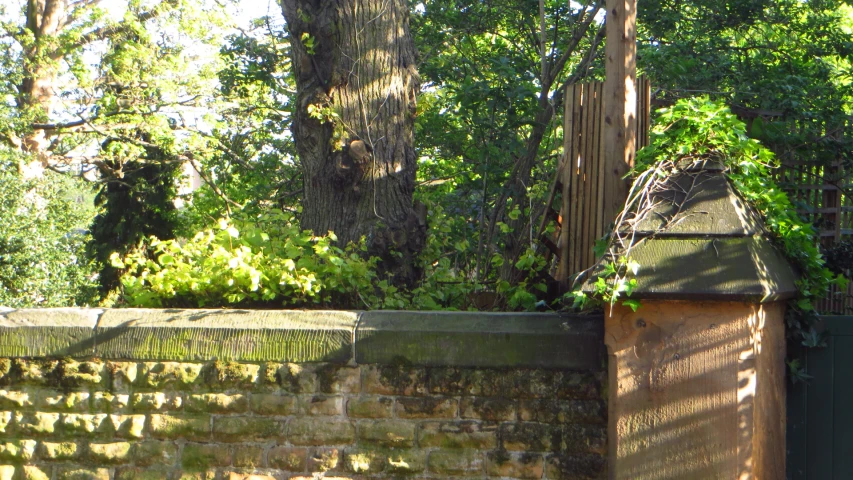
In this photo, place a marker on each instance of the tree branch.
(113, 30)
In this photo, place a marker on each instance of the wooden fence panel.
(582, 177)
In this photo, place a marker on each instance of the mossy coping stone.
(477, 339)
(463, 339)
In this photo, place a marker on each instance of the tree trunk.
(45, 21)
(356, 79)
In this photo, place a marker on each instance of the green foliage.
(247, 158)
(43, 262)
(615, 280)
(781, 57)
(266, 261)
(248, 261)
(700, 129)
(138, 206)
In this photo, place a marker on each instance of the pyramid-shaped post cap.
(698, 240)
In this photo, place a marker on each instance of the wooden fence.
(579, 220)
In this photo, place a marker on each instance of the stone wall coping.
(463, 339)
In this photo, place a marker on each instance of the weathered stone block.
(234, 335)
(390, 461)
(201, 456)
(64, 402)
(323, 460)
(38, 423)
(109, 453)
(548, 410)
(450, 380)
(84, 424)
(195, 475)
(237, 429)
(188, 427)
(160, 375)
(295, 378)
(322, 405)
(110, 402)
(48, 332)
(584, 438)
(370, 407)
(388, 433)
(248, 456)
(316, 431)
(288, 458)
(217, 403)
(6, 422)
(494, 409)
(128, 426)
(332, 378)
(405, 462)
(153, 452)
(463, 434)
(59, 450)
(231, 475)
(529, 437)
(31, 472)
(230, 375)
(11, 399)
(477, 340)
(525, 466)
(72, 472)
(575, 466)
(123, 375)
(271, 404)
(427, 407)
(394, 380)
(17, 451)
(156, 401)
(576, 385)
(456, 462)
(364, 461)
(143, 473)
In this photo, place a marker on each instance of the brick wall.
(411, 414)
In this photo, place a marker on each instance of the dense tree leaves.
(43, 260)
(786, 61)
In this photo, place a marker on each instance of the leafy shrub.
(43, 262)
(265, 260)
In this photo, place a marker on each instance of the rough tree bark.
(356, 79)
(45, 21)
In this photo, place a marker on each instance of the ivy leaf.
(633, 304)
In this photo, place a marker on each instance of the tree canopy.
(213, 130)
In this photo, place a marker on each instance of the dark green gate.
(820, 412)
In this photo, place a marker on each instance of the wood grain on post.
(620, 103)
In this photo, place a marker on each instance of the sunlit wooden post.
(620, 102)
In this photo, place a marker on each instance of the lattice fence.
(822, 194)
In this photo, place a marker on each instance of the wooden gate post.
(697, 373)
(620, 102)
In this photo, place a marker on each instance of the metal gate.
(820, 412)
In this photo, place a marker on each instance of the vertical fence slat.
(573, 169)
